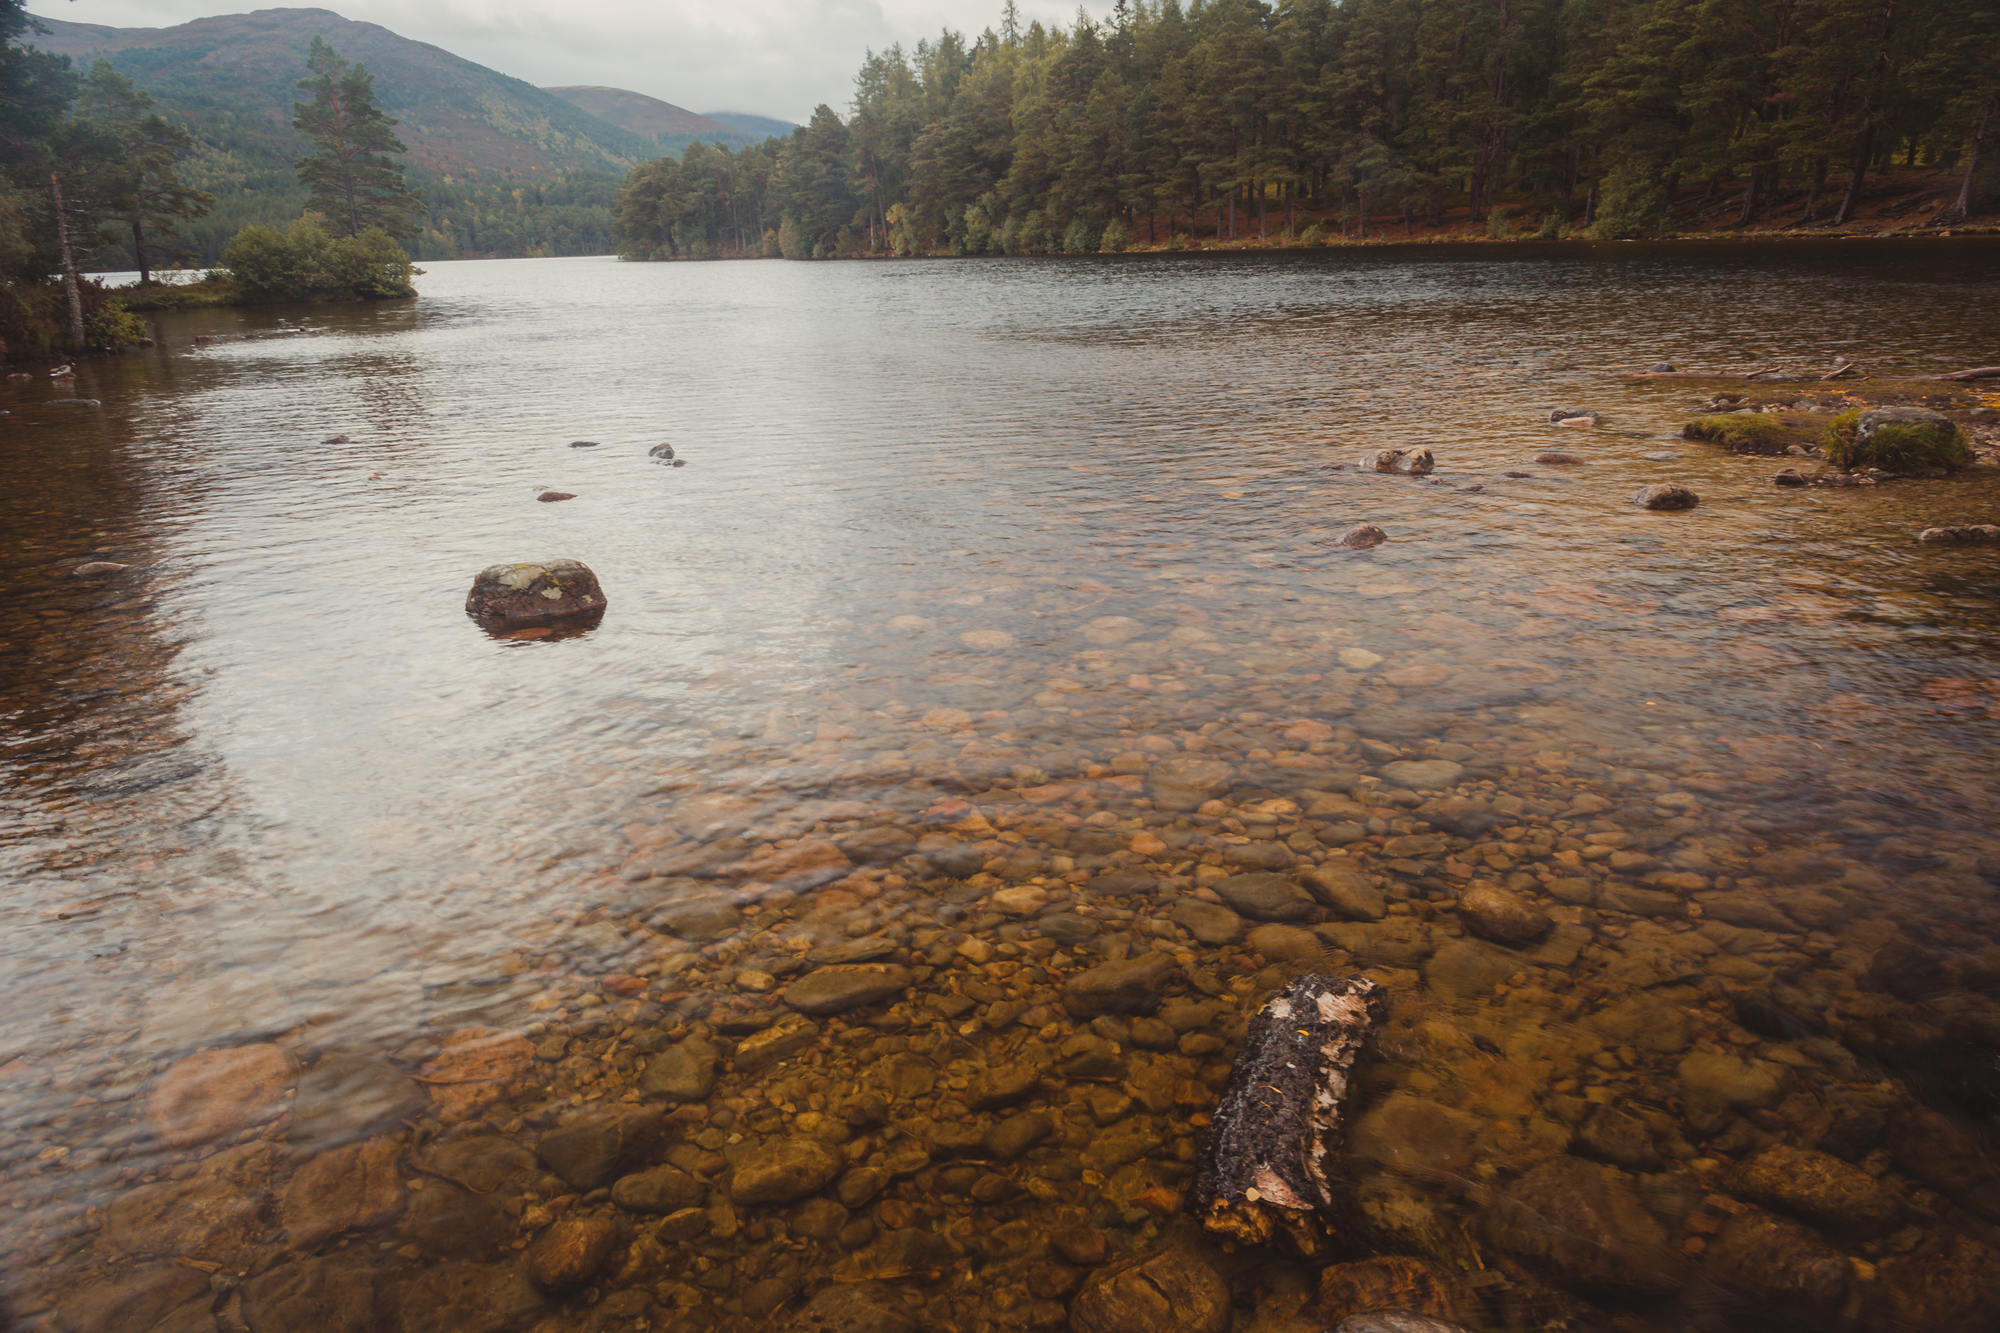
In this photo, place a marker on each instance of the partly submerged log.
(1262, 1173)
(1842, 367)
(1768, 372)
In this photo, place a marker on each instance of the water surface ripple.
(369, 972)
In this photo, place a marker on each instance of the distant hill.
(504, 167)
(640, 114)
(233, 80)
(764, 127)
(671, 128)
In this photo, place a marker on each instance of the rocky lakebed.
(1647, 1062)
(850, 921)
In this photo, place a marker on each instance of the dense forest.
(1170, 122)
(567, 216)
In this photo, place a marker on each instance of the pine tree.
(145, 190)
(1619, 115)
(353, 174)
(1968, 115)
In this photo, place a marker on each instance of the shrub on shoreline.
(305, 262)
(214, 288)
(34, 320)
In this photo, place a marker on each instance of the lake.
(986, 721)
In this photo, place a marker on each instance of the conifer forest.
(1170, 123)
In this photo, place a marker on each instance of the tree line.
(88, 166)
(79, 155)
(1174, 120)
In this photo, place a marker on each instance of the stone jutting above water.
(534, 595)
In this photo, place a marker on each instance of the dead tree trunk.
(1857, 174)
(1766, 372)
(70, 286)
(1263, 1169)
(1961, 208)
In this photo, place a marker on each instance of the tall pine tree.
(353, 173)
(144, 189)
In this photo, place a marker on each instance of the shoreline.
(1987, 233)
(1981, 232)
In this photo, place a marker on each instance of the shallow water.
(968, 562)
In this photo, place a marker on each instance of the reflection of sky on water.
(309, 750)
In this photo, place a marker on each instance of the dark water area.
(863, 918)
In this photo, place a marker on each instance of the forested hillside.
(503, 167)
(1234, 119)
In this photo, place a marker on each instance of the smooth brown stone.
(220, 1092)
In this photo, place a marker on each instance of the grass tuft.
(1753, 432)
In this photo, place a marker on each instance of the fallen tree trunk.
(1775, 372)
(1701, 374)
(1261, 1174)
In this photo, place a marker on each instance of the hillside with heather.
(233, 76)
(666, 124)
(757, 127)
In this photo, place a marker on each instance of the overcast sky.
(773, 57)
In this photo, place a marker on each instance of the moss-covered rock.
(1757, 432)
(1896, 439)
(547, 593)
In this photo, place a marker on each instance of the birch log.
(1263, 1171)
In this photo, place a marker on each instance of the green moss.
(1894, 446)
(1754, 432)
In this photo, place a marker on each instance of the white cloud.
(772, 57)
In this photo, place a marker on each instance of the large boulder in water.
(1896, 439)
(548, 592)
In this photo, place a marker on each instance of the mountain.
(640, 114)
(504, 167)
(764, 127)
(670, 127)
(232, 79)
